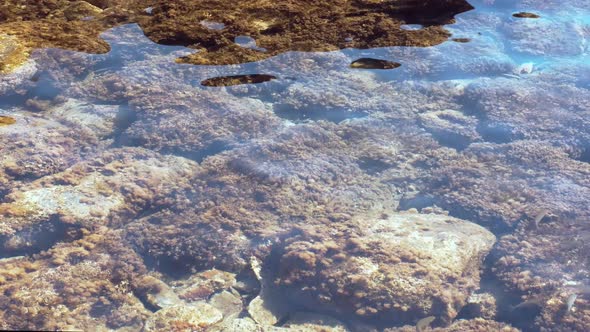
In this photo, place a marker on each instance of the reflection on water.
(371, 187)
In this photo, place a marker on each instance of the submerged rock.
(12, 53)
(282, 26)
(104, 190)
(275, 27)
(33, 146)
(461, 325)
(525, 15)
(398, 267)
(238, 79)
(544, 266)
(82, 285)
(307, 322)
(368, 63)
(196, 317)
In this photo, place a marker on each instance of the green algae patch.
(6, 120)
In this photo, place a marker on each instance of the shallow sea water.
(303, 194)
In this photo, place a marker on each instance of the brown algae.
(526, 15)
(212, 26)
(6, 120)
(237, 80)
(369, 63)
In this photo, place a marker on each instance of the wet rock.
(251, 195)
(368, 63)
(100, 119)
(33, 146)
(477, 324)
(306, 322)
(106, 189)
(543, 266)
(169, 122)
(85, 285)
(237, 325)
(12, 53)
(481, 305)
(81, 10)
(525, 15)
(280, 27)
(238, 79)
(202, 285)
(266, 308)
(157, 293)
(555, 315)
(400, 266)
(11, 84)
(262, 312)
(192, 317)
(73, 25)
(228, 303)
(523, 188)
(451, 128)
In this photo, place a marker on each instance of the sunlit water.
(502, 117)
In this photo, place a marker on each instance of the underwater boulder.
(397, 267)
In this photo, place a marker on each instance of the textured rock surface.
(129, 188)
(195, 317)
(476, 325)
(33, 147)
(84, 284)
(280, 26)
(397, 267)
(102, 191)
(276, 27)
